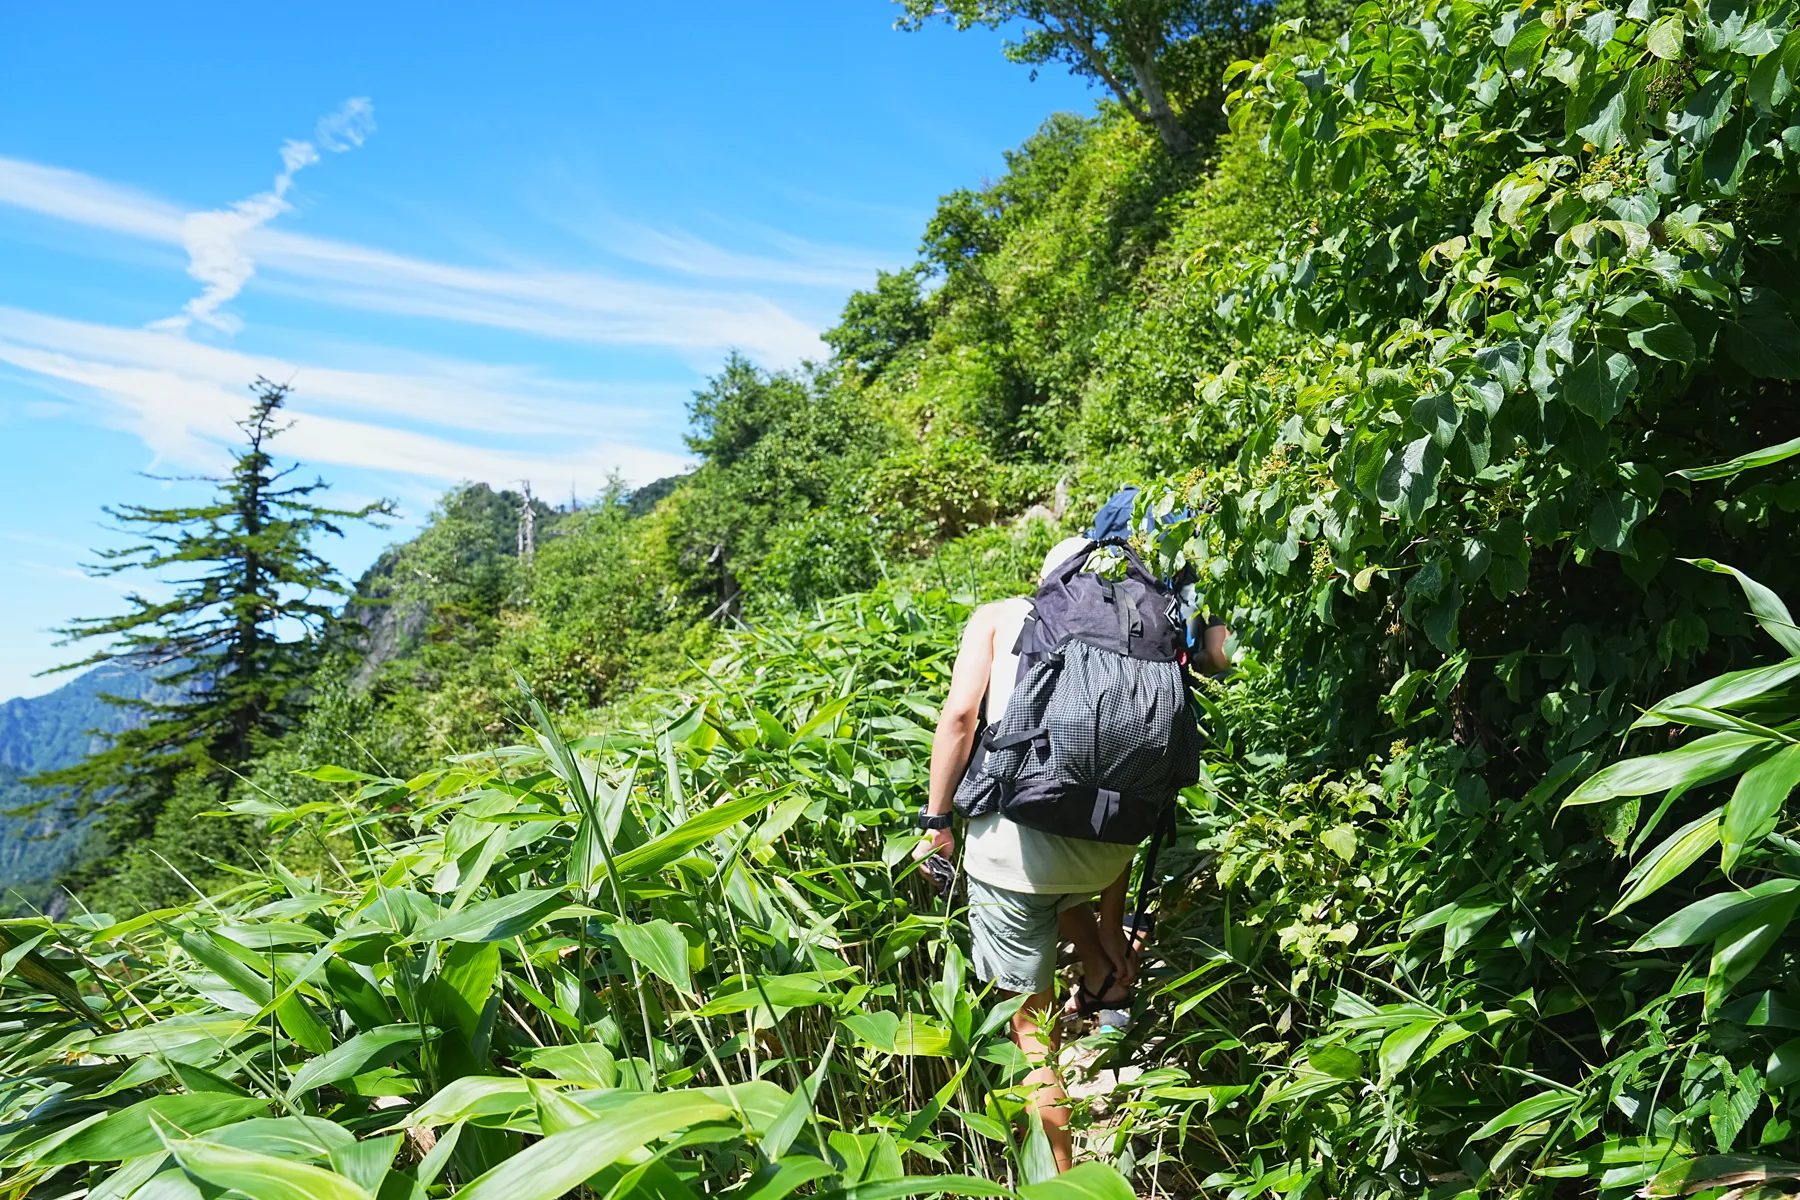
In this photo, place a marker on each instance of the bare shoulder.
(992, 616)
(999, 610)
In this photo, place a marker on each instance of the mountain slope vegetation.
(46, 733)
(1461, 369)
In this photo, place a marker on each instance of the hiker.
(1029, 888)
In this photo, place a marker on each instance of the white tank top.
(1007, 855)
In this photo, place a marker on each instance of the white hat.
(1061, 553)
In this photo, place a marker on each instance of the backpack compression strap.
(1165, 829)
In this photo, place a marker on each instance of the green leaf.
(1614, 516)
(1763, 340)
(659, 947)
(1744, 462)
(585, 1062)
(1784, 1064)
(797, 1111)
(824, 721)
(1676, 853)
(556, 1112)
(1526, 44)
(133, 1174)
(1714, 756)
(1084, 1181)
(284, 1137)
(773, 733)
(364, 1052)
(1398, 1047)
(1409, 478)
(216, 954)
(472, 1096)
(1534, 1108)
(698, 829)
(130, 1132)
(1664, 39)
(1711, 916)
(1338, 1062)
(261, 1176)
(1721, 692)
(40, 973)
(875, 1029)
(562, 1161)
(921, 1037)
(1730, 152)
(1600, 383)
(1718, 1171)
(1669, 341)
(1765, 605)
(1770, 84)
(790, 1175)
(1037, 1161)
(1464, 923)
(366, 1163)
(173, 1034)
(1705, 111)
(330, 774)
(1757, 803)
(1739, 949)
(1340, 839)
(925, 1185)
(782, 991)
(496, 920)
(1439, 417)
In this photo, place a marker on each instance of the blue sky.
(483, 242)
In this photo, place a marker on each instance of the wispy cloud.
(215, 240)
(118, 587)
(181, 399)
(696, 320)
(83, 200)
(348, 127)
(802, 262)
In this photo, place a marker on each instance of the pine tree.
(236, 641)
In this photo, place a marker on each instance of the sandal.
(1113, 1014)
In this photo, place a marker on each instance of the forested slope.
(1461, 370)
(42, 733)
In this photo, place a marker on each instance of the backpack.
(1100, 734)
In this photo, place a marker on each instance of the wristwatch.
(927, 821)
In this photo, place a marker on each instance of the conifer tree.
(235, 641)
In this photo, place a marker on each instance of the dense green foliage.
(1451, 367)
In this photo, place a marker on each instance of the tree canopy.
(235, 636)
(1149, 54)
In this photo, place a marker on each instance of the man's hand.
(936, 841)
(1119, 950)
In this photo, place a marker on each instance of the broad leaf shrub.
(681, 955)
(1488, 891)
(1504, 379)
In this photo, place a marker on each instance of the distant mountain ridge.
(45, 733)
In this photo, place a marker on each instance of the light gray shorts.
(1014, 935)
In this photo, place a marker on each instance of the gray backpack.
(1100, 734)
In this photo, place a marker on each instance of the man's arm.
(1212, 650)
(955, 736)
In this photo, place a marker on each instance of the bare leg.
(1034, 1033)
(1077, 925)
